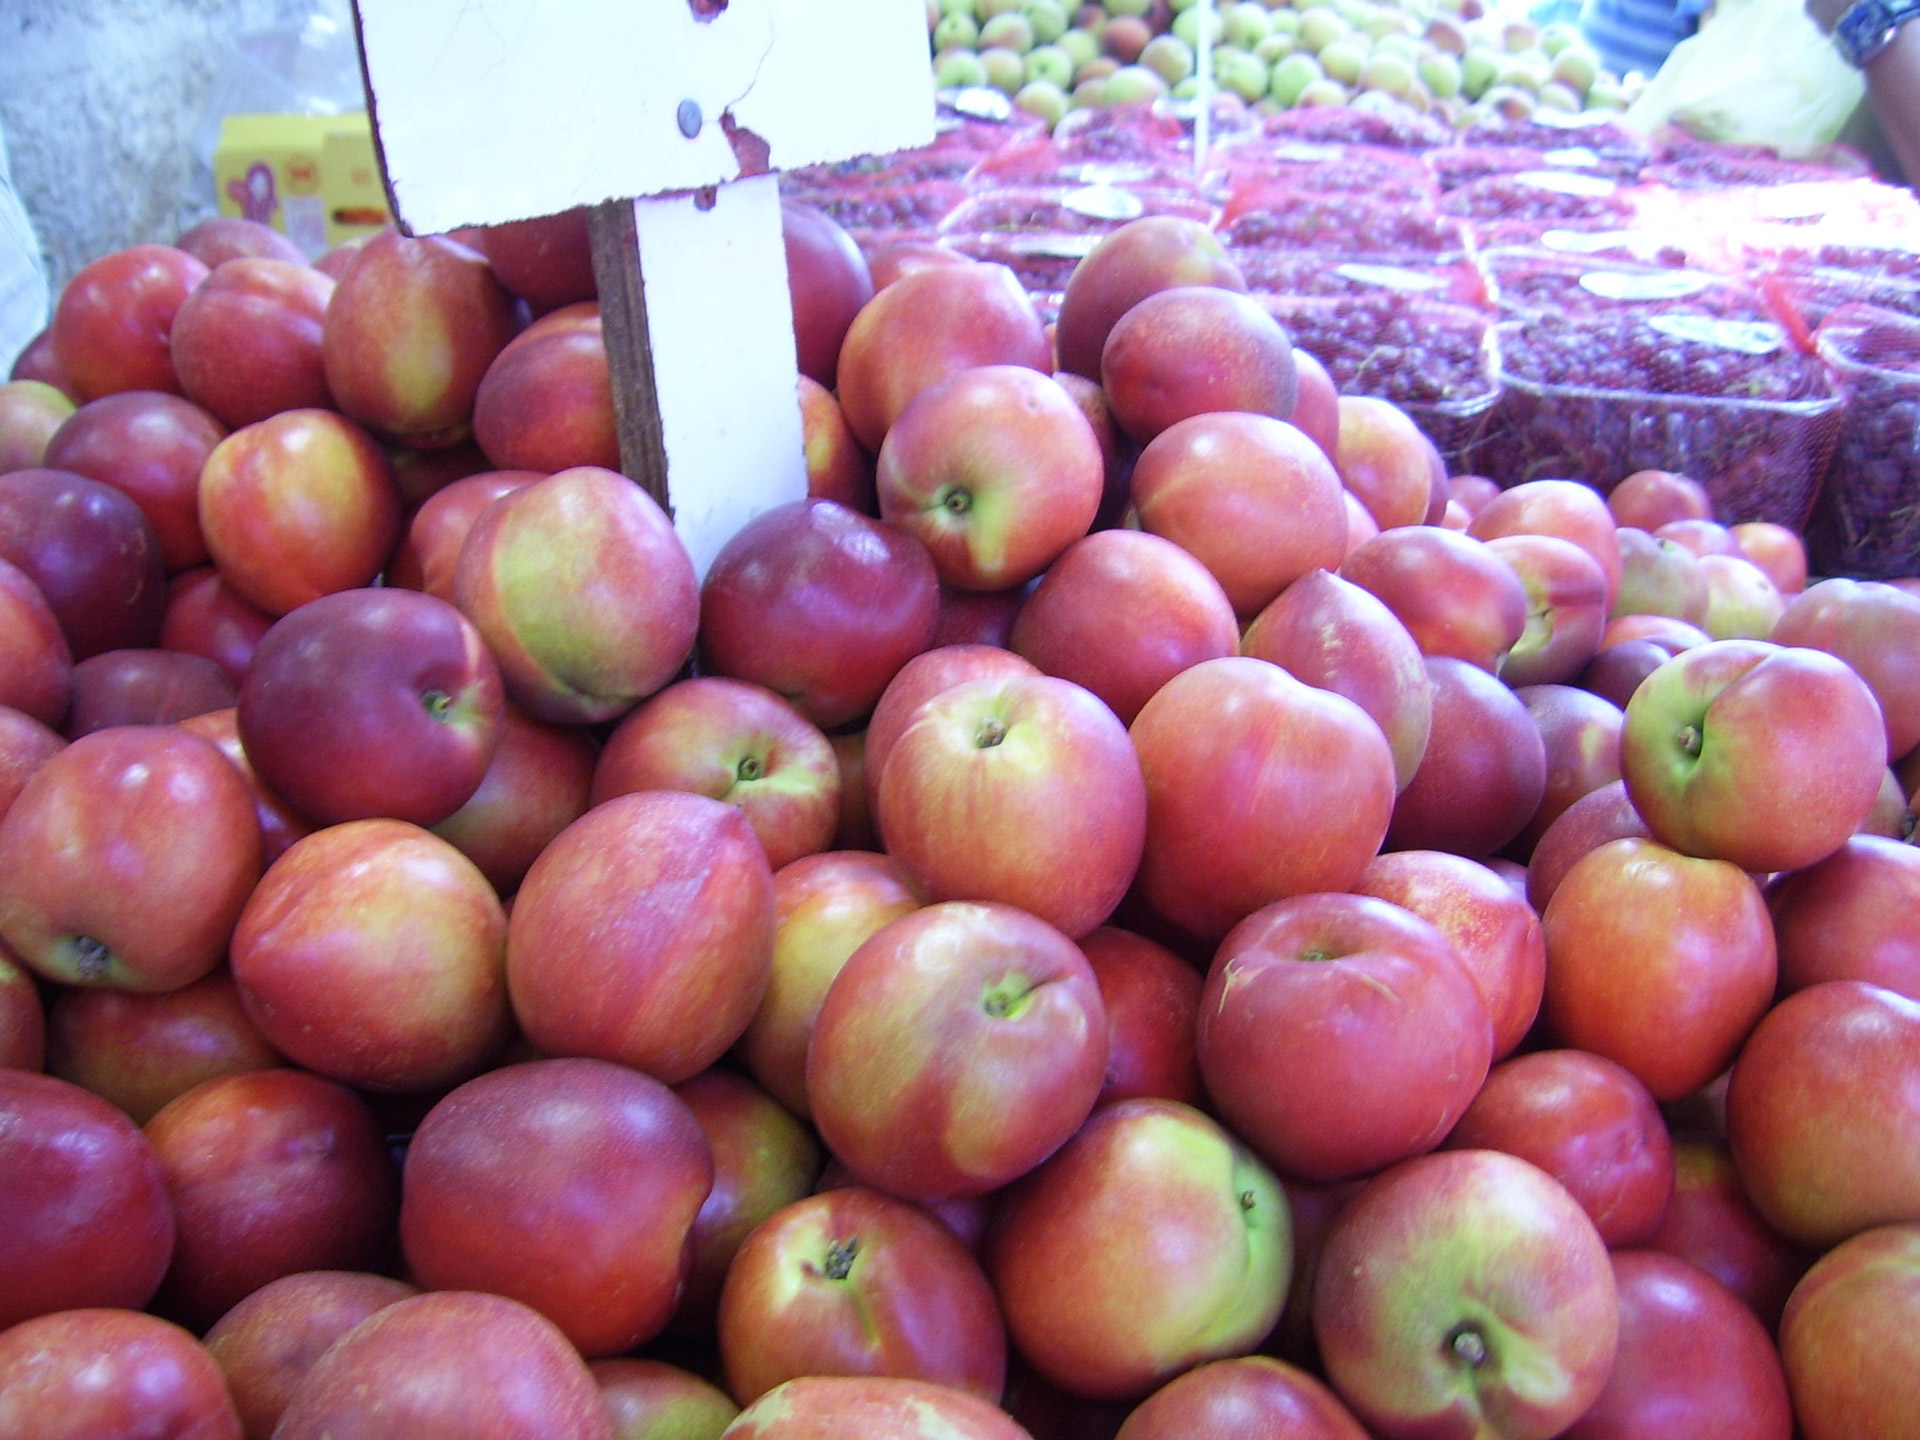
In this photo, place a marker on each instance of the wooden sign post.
(671, 118)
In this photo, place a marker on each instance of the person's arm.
(1893, 84)
(1893, 87)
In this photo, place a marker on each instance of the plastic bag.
(24, 292)
(1759, 72)
(307, 64)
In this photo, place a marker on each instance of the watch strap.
(1868, 27)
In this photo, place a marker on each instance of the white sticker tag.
(1104, 202)
(1567, 182)
(1109, 173)
(1390, 277)
(1062, 247)
(1567, 119)
(982, 102)
(1793, 202)
(1645, 285)
(1587, 242)
(1302, 151)
(1747, 337)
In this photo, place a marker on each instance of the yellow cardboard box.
(314, 178)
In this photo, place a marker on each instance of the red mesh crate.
(1866, 522)
(869, 212)
(1398, 127)
(1636, 244)
(1547, 130)
(1319, 168)
(1317, 272)
(1067, 210)
(1549, 199)
(1804, 299)
(1275, 218)
(1731, 403)
(1043, 260)
(1887, 251)
(1687, 162)
(1458, 165)
(1532, 280)
(1434, 360)
(1117, 144)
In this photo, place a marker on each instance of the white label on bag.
(1639, 285)
(1104, 202)
(1588, 242)
(1568, 182)
(1106, 172)
(1569, 119)
(1747, 337)
(1571, 155)
(982, 102)
(1059, 247)
(1389, 277)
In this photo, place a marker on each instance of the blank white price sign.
(671, 118)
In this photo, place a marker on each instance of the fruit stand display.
(1305, 831)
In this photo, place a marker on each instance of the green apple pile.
(1447, 57)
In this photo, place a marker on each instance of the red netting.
(1732, 404)
(1867, 521)
(1434, 360)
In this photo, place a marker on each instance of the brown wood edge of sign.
(623, 311)
(623, 324)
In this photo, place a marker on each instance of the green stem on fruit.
(92, 960)
(749, 768)
(1689, 740)
(1007, 997)
(991, 732)
(957, 501)
(436, 703)
(1247, 1200)
(840, 1257)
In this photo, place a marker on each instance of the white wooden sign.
(668, 115)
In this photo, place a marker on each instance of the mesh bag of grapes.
(878, 213)
(1042, 261)
(1525, 203)
(1116, 145)
(1067, 210)
(1547, 129)
(1458, 165)
(1866, 522)
(1041, 233)
(1536, 280)
(1855, 224)
(1458, 281)
(1274, 217)
(1635, 244)
(1688, 162)
(1396, 126)
(1805, 299)
(1321, 168)
(1434, 360)
(968, 126)
(1732, 402)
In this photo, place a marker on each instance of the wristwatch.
(1868, 27)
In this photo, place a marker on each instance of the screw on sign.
(670, 119)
